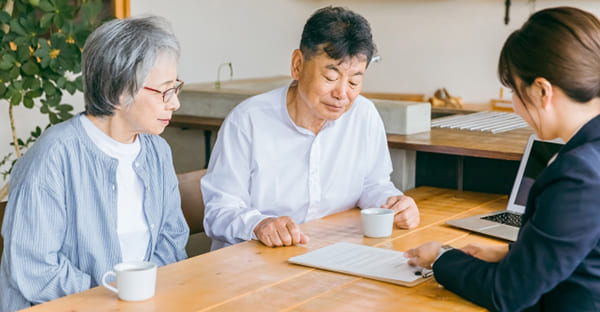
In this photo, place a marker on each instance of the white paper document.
(365, 261)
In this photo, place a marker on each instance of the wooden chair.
(2, 208)
(191, 199)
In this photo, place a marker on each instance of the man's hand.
(486, 253)
(282, 231)
(406, 211)
(423, 255)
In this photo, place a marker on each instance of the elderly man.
(305, 151)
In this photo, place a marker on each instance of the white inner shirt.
(132, 227)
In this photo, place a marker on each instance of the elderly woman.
(100, 188)
(552, 65)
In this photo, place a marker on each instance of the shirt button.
(113, 187)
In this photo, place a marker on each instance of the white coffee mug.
(377, 222)
(136, 281)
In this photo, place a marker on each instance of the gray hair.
(118, 57)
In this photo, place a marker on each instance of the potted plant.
(40, 55)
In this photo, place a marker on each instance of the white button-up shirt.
(264, 165)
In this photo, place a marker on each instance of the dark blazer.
(555, 263)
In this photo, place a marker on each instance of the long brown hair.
(560, 44)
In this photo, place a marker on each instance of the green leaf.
(46, 6)
(20, 142)
(30, 68)
(30, 82)
(46, 20)
(18, 85)
(2, 90)
(16, 27)
(44, 108)
(45, 61)
(4, 66)
(15, 99)
(61, 82)
(64, 107)
(14, 73)
(71, 87)
(53, 100)
(38, 131)
(10, 91)
(22, 53)
(65, 115)
(49, 88)
(7, 62)
(28, 102)
(54, 118)
(43, 44)
(59, 20)
(37, 85)
(4, 17)
(36, 93)
(4, 76)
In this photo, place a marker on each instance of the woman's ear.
(122, 102)
(543, 91)
(297, 62)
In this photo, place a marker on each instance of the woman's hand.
(423, 255)
(486, 253)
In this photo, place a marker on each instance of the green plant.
(40, 55)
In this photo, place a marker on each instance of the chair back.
(2, 208)
(191, 199)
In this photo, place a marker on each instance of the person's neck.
(115, 127)
(300, 112)
(578, 115)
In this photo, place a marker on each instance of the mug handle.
(105, 284)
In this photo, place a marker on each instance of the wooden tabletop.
(252, 277)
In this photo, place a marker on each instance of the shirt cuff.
(442, 251)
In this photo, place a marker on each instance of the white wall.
(424, 44)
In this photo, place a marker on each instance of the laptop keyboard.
(505, 218)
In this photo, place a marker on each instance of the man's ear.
(297, 63)
(543, 91)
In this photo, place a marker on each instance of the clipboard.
(364, 261)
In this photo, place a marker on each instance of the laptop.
(505, 224)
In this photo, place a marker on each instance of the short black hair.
(340, 32)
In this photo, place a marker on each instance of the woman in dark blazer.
(552, 65)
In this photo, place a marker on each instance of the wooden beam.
(122, 9)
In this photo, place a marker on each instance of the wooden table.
(251, 277)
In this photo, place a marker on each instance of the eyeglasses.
(168, 94)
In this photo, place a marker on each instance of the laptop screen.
(537, 156)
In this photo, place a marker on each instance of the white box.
(403, 117)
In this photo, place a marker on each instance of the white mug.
(136, 281)
(377, 222)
